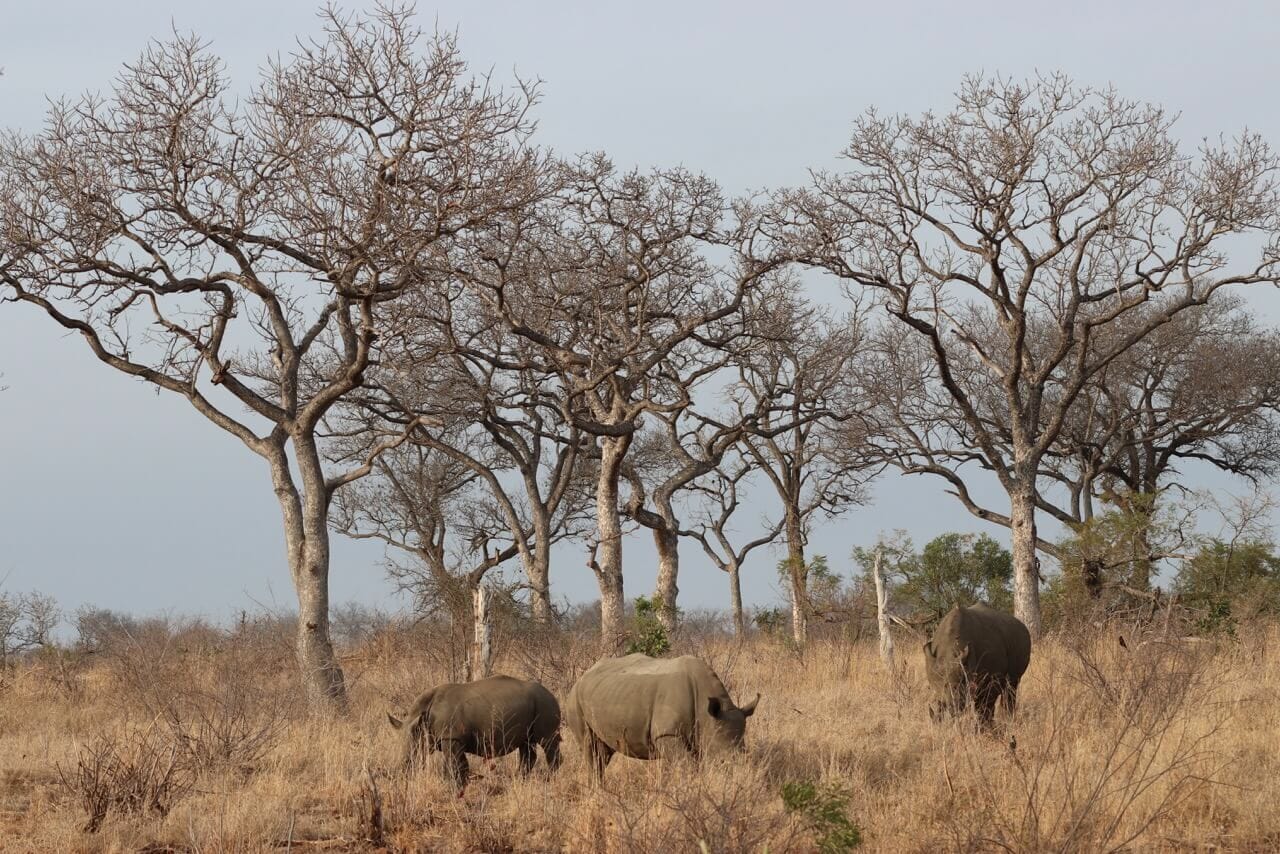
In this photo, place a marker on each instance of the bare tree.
(690, 445)
(1011, 235)
(805, 383)
(27, 622)
(1204, 387)
(714, 528)
(622, 281)
(412, 501)
(240, 252)
(449, 361)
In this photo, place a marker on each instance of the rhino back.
(495, 715)
(631, 701)
(998, 643)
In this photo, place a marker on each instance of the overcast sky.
(114, 495)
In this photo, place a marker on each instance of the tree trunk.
(1140, 576)
(882, 612)
(306, 523)
(608, 560)
(798, 573)
(482, 642)
(668, 547)
(537, 569)
(1026, 572)
(735, 599)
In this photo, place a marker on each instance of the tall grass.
(1151, 747)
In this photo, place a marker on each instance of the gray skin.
(488, 718)
(651, 708)
(978, 655)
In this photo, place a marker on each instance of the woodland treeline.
(437, 332)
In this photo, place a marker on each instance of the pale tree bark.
(666, 588)
(798, 574)
(606, 555)
(882, 612)
(1026, 565)
(481, 665)
(734, 570)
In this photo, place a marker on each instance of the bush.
(1229, 581)
(138, 772)
(771, 621)
(952, 569)
(824, 809)
(647, 633)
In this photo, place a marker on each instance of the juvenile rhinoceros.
(648, 708)
(979, 654)
(489, 717)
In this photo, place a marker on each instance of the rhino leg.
(598, 755)
(670, 747)
(984, 702)
(455, 762)
(551, 750)
(1010, 695)
(528, 756)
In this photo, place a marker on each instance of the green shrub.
(824, 809)
(647, 633)
(771, 621)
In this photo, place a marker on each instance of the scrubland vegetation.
(172, 736)
(435, 331)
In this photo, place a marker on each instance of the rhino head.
(944, 670)
(729, 723)
(414, 738)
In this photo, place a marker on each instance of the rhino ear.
(713, 706)
(750, 708)
(396, 723)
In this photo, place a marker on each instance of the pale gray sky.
(113, 495)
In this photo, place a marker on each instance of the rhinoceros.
(979, 654)
(649, 708)
(489, 718)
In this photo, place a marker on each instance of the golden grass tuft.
(1152, 747)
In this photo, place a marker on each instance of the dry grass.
(1158, 748)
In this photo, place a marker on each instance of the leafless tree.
(1204, 387)
(1011, 235)
(806, 385)
(412, 501)
(714, 528)
(450, 363)
(240, 253)
(622, 282)
(27, 621)
(690, 447)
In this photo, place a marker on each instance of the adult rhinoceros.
(489, 717)
(977, 654)
(649, 708)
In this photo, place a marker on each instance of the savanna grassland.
(191, 740)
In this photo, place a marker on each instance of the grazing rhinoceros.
(649, 708)
(979, 654)
(489, 717)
